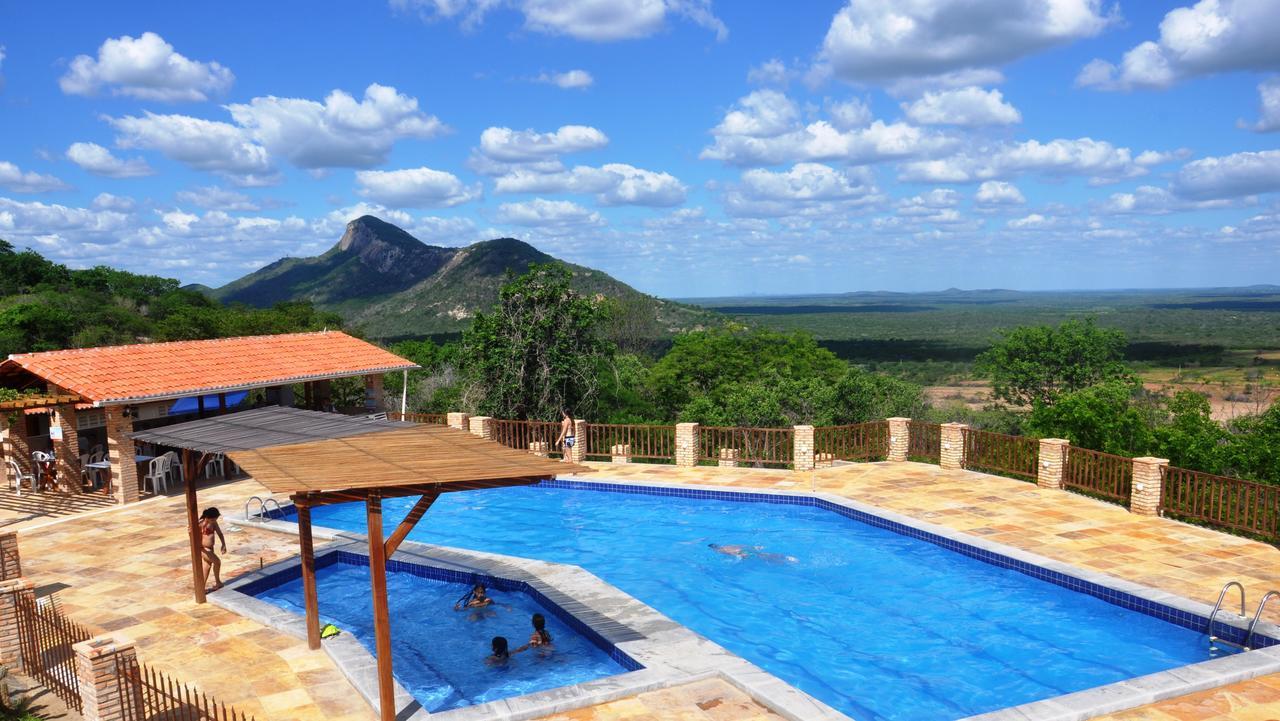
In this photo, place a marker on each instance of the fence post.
(457, 420)
(578, 453)
(952, 442)
(687, 444)
(481, 426)
(1148, 485)
(100, 663)
(802, 448)
(899, 438)
(13, 593)
(1053, 462)
(10, 559)
(728, 458)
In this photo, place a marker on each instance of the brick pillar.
(899, 438)
(457, 420)
(824, 460)
(12, 592)
(375, 398)
(481, 426)
(124, 470)
(10, 559)
(728, 458)
(802, 448)
(620, 453)
(1053, 462)
(67, 450)
(19, 447)
(578, 453)
(952, 442)
(1148, 485)
(100, 661)
(687, 444)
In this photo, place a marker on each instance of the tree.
(1105, 417)
(539, 350)
(1190, 438)
(1253, 450)
(862, 396)
(1032, 365)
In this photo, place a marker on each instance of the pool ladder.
(262, 507)
(1215, 641)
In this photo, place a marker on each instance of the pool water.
(874, 623)
(438, 653)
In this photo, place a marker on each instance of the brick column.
(124, 470)
(100, 661)
(824, 460)
(687, 444)
(620, 453)
(802, 448)
(578, 453)
(19, 447)
(375, 398)
(67, 450)
(457, 420)
(481, 426)
(728, 458)
(1148, 485)
(10, 559)
(899, 438)
(1053, 462)
(952, 442)
(13, 592)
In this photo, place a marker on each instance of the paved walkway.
(129, 572)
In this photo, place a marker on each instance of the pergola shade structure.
(320, 458)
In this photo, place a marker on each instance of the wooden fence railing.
(924, 442)
(753, 446)
(147, 695)
(1002, 454)
(436, 419)
(650, 443)
(854, 442)
(1107, 476)
(1239, 505)
(533, 436)
(45, 638)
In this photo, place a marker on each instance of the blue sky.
(689, 147)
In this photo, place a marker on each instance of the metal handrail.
(1257, 615)
(262, 506)
(1218, 607)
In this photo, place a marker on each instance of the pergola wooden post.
(191, 468)
(381, 614)
(306, 549)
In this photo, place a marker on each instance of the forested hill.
(47, 306)
(387, 284)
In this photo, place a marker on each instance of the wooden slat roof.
(261, 427)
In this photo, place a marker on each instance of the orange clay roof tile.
(167, 370)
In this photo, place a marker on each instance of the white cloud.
(99, 161)
(1209, 37)
(54, 218)
(568, 80)
(541, 213)
(770, 72)
(215, 198)
(614, 184)
(1099, 159)
(1269, 112)
(202, 144)
(928, 203)
(911, 87)
(807, 188)
(762, 114)
(342, 132)
(995, 192)
(147, 68)
(1031, 222)
(2, 56)
(1230, 176)
(850, 114)
(13, 178)
(593, 20)
(970, 106)
(520, 146)
(886, 40)
(1150, 200)
(107, 201)
(415, 188)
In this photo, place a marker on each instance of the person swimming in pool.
(734, 550)
(477, 597)
(742, 552)
(540, 639)
(500, 655)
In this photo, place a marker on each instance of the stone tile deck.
(129, 571)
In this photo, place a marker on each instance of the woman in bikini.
(208, 529)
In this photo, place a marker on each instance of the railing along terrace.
(534, 436)
(756, 446)
(853, 442)
(606, 441)
(1002, 454)
(1233, 503)
(147, 694)
(924, 442)
(1107, 476)
(436, 419)
(45, 638)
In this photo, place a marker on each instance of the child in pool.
(540, 639)
(500, 654)
(476, 598)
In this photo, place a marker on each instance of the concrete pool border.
(1077, 706)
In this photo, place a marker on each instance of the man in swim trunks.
(566, 439)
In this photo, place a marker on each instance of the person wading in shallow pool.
(208, 529)
(540, 638)
(500, 654)
(566, 439)
(475, 598)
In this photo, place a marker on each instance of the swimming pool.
(438, 653)
(877, 624)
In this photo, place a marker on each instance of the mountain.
(389, 284)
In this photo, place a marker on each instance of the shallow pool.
(438, 653)
(877, 624)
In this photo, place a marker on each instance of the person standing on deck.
(566, 439)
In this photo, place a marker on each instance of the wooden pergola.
(320, 459)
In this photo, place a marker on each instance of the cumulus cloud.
(593, 20)
(1209, 37)
(613, 184)
(520, 146)
(995, 192)
(1034, 221)
(1269, 112)
(1097, 159)
(887, 40)
(770, 72)
(415, 188)
(1230, 176)
(970, 106)
(807, 188)
(13, 178)
(542, 213)
(215, 198)
(107, 201)
(202, 144)
(147, 68)
(1150, 200)
(568, 80)
(99, 161)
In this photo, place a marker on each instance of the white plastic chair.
(174, 468)
(17, 476)
(216, 466)
(158, 474)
